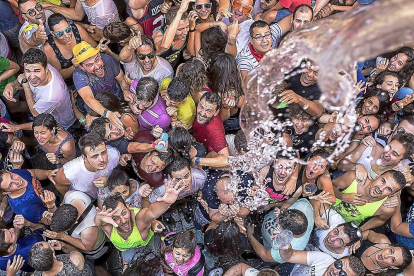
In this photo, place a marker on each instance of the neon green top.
(134, 240)
(356, 213)
(55, 2)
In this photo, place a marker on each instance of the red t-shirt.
(211, 135)
(292, 4)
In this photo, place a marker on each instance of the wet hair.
(320, 152)
(55, 19)
(398, 177)
(64, 218)
(110, 102)
(212, 98)
(295, 111)
(147, 89)
(146, 263)
(257, 24)
(4, 246)
(268, 272)
(165, 157)
(180, 141)
(146, 40)
(382, 96)
(33, 56)
(116, 32)
(117, 178)
(351, 231)
(91, 140)
(226, 240)
(224, 76)
(111, 202)
(41, 257)
(193, 72)
(408, 70)
(186, 240)
(177, 164)
(303, 8)
(356, 265)
(178, 90)
(213, 40)
(293, 220)
(172, 13)
(98, 126)
(46, 120)
(407, 141)
(240, 141)
(380, 78)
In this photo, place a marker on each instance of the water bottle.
(282, 239)
(162, 144)
(311, 188)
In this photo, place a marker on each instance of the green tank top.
(356, 213)
(134, 240)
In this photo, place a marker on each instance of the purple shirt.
(154, 115)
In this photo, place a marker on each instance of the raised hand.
(135, 42)
(361, 174)
(172, 190)
(192, 17)
(323, 197)
(127, 78)
(289, 97)
(9, 92)
(354, 199)
(114, 118)
(321, 223)
(184, 5)
(144, 190)
(369, 141)
(384, 129)
(51, 176)
(103, 45)
(123, 161)
(106, 216)
(166, 6)
(16, 159)
(53, 235)
(157, 226)
(40, 33)
(100, 182)
(234, 29)
(18, 222)
(51, 156)
(382, 65)
(56, 245)
(16, 265)
(157, 131)
(48, 198)
(223, 13)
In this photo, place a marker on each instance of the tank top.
(364, 246)
(276, 196)
(68, 268)
(172, 55)
(356, 213)
(300, 183)
(102, 13)
(134, 240)
(58, 152)
(153, 18)
(365, 161)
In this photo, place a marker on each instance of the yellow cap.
(82, 51)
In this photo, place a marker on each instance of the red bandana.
(258, 56)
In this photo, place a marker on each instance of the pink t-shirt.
(182, 270)
(292, 4)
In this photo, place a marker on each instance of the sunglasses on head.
(359, 232)
(200, 6)
(33, 11)
(61, 33)
(246, 9)
(338, 265)
(150, 56)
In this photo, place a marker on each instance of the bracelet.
(51, 207)
(231, 43)
(153, 144)
(197, 161)
(105, 113)
(191, 31)
(82, 120)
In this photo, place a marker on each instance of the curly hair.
(193, 72)
(213, 40)
(408, 69)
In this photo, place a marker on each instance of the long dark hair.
(226, 240)
(110, 102)
(193, 72)
(146, 263)
(408, 70)
(213, 40)
(382, 96)
(180, 141)
(224, 76)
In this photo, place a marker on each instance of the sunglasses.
(33, 11)
(246, 9)
(61, 33)
(338, 265)
(359, 232)
(200, 6)
(150, 56)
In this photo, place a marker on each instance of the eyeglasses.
(246, 9)
(150, 56)
(338, 265)
(359, 232)
(33, 11)
(200, 6)
(262, 37)
(61, 33)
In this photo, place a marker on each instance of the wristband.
(82, 120)
(153, 144)
(105, 113)
(231, 43)
(197, 161)
(191, 31)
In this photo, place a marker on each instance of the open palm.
(106, 216)
(172, 190)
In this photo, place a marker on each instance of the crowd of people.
(119, 121)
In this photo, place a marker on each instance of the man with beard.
(358, 201)
(139, 60)
(44, 88)
(130, 228)
(87, 172)
(96, 73)
(371, 159)
(209, 130)
(171, 39)
(34, 31)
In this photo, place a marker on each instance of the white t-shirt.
(4, 46)
(251, 272)
(102, 13)
(54, 98)
(81, 178)
(26, 23)
(317, 262)
(243, 37)
(162, 71)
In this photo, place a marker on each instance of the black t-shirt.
(311, 93)
(121, 144)
(303, 142)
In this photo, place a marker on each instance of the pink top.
(182, 270)
(292, 4)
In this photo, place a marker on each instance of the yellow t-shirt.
(187, 112)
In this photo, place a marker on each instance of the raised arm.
(220, 161)
(77, 13)
(398, 226)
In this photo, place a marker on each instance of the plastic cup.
(282, 239)
(310, 188)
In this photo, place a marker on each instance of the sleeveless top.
(58, 152)
(365, 161)
(300, 183)
(364, 246)
(102, 13)
(356, 213)
(172, 55)
(276, 196)
(69, 269)
(134, 240)
(153, 19)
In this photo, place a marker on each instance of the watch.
(197, 161)
(24, 80)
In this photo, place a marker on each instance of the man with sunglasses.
(140, 61)
(314, 263)
(34, 31)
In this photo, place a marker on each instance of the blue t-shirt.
(366, 2)
(107, 83)
(29, 205)
(406, 241)
(8, 19)
(23, 247)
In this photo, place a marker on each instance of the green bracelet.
(82, 120)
